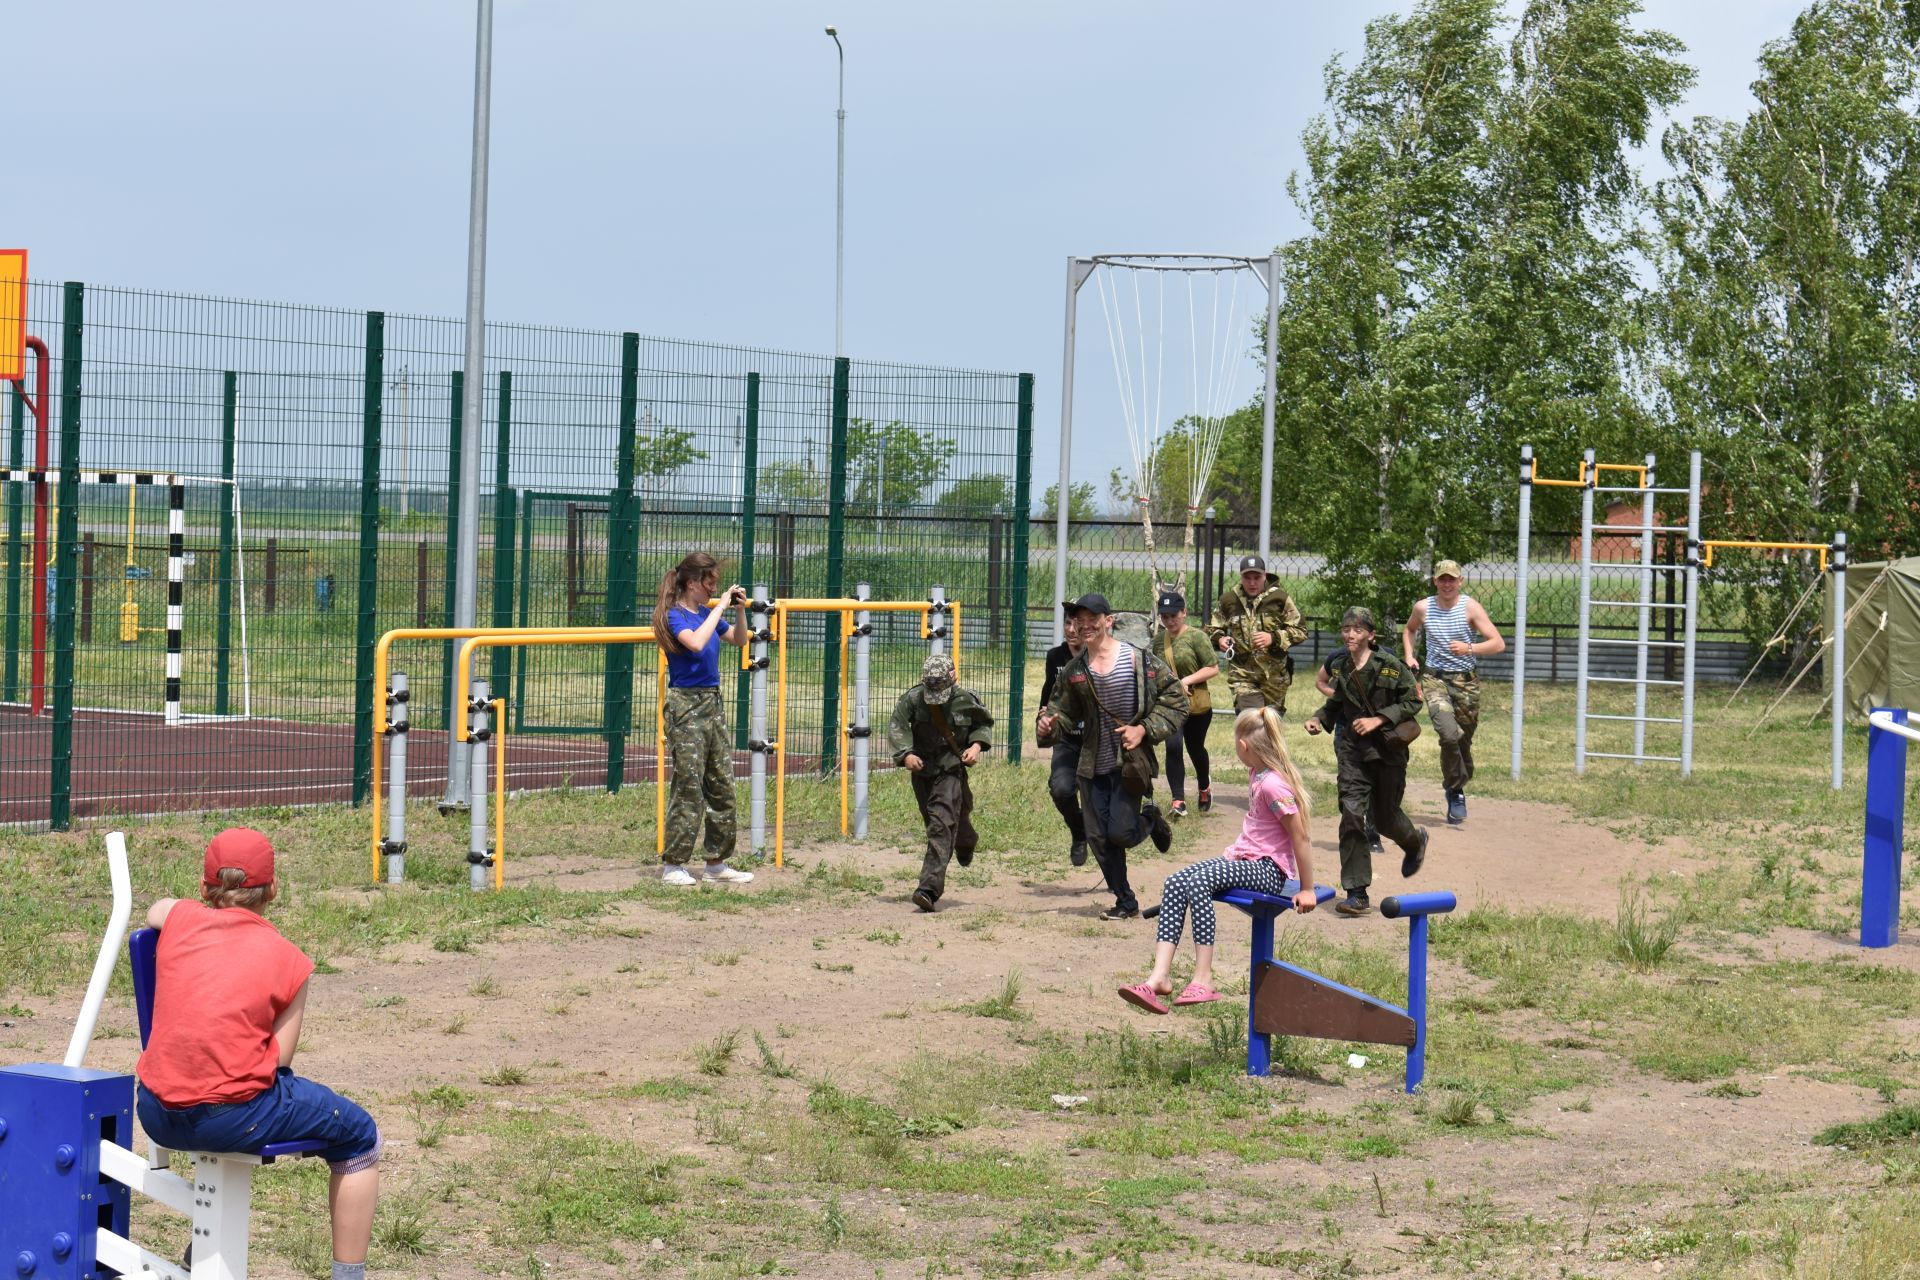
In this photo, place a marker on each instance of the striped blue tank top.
(1443, 627)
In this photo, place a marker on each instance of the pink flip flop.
(1145, 996)
(1197, 993)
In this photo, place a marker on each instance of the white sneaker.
(724, 874)
(679, 877)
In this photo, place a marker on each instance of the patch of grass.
(506, 1075)
(402, 1230)
(1732, 1089)
(1003, 1004)
(826, 967)
(386, 1002)
(725, 959)
(885, 937)
(714, 1057)
(1457, 1110)
(771, 1062)
(484, 987)
(1150, 1192)
(1897, 1127)
(1638, 939)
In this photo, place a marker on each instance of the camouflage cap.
(936, 678)
(1357, 616)
(1446, 569)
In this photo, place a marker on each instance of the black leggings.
(1195, 734)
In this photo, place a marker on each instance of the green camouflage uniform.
(1258, 679)
(1372, 768)
(940, 788)
(701, 752)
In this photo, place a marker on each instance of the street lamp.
(840, 209)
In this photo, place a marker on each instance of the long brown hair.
(673, 584)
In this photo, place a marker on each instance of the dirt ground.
(632, 999)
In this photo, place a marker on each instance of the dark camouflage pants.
(1369, 789)
(1453, 704)
(946, 806)
(701, 753)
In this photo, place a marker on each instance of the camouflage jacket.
(914, 732)
(1384, 688)
(1158, 693)
(1239, 615)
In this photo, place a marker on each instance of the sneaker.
(1177, 810)
(1456, 808)
(1079, 855)
(1206, 799)
(1157, 827)
(1119, 913)
(963, 856)
(1354, 904)
(678, 877)
(721, 873)
(1373, 840)
(1414, 858)
(923, 900)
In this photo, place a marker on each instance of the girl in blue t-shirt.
(689, 631)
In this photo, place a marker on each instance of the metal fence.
(326, 447)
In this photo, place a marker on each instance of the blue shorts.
(291, 1109)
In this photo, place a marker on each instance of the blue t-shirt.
(701, 668)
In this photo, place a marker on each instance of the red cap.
(241, 847)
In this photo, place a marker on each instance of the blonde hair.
(232, 891)
(693, 569)
(1260, 729)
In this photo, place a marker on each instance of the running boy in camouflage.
(1458, 634)
(1253, 626)
(938, 731)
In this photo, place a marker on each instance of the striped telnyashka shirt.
(1443, 627)
(1116, 690)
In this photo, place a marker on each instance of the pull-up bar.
(1708, 545)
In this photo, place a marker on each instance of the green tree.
(1083, 502)
(978, 495)
(1791, 319)
(664, 452)
(891, 467)
(792, 483)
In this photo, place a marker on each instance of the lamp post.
(840, 208)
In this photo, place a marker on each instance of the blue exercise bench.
(1286, 1000)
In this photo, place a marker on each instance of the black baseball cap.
(1252, 564)
(1172, 602)
(1092, 602)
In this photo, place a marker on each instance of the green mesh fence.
(322, 449)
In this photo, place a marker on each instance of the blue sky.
(670, 169)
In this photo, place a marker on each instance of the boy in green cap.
(938, 731)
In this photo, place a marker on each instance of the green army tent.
(1883, 636)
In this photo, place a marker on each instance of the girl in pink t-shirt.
(1272, 856)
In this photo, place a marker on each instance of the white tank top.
(1443, 627)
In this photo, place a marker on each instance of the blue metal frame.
(1886, 821)
(1264, 908)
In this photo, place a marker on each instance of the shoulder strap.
(940, 722)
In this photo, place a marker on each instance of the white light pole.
(466, 572)
(840, 209)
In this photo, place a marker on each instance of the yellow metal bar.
(499, 794)
(660, 757)
(531, 638)
(846, 630)
(391, 638)
(378, 799)
(1639, 470)
(1734, 545)
(780, 764)
(1533, 477)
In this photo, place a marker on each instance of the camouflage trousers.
(701, 753)
(946, 806)
(1264, 685)
(1453, 704)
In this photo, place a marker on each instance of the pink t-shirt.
(1264, 833)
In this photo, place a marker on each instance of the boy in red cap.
(217, 1073)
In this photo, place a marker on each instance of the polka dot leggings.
(1192, 889)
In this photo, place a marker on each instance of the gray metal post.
(479, 856)
(1520, 601)
(1266, 411)
(1646, 612)
(395, 845)
(840, 210)
(757, 723)
(1839, 565)
(1693, 612)
(466, 574)
(939, 621)
(1586, 597)
(862, 721)
(1078, 269)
